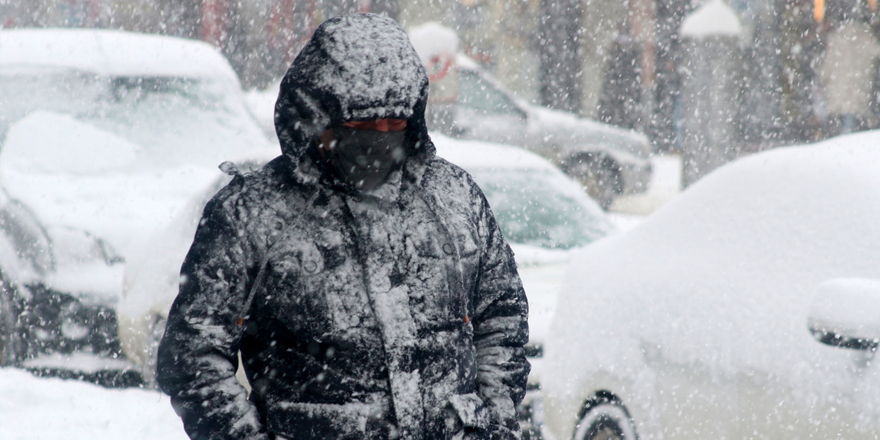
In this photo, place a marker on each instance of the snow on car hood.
(73, 174)
(723, 276)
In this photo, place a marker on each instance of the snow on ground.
(33, 408)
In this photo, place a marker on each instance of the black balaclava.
(365, 158)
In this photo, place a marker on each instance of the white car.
(542, 213)
(111, 133)
(744, 308)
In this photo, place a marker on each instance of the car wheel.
(604, 418)
(149, 368)
(599, 175)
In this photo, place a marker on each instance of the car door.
(694, 399)
(485, 112)
(832, 407)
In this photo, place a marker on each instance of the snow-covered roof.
(714, 18)
(114, 53)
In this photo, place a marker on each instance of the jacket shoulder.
(251, 190)
(452, 183)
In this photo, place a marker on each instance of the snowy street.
(33, 408)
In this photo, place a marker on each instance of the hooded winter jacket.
(395, 313)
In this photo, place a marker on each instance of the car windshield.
(176, 120)
(534, 207)
(478, 94)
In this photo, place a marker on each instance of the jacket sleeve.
(198, 355)
(500, 330)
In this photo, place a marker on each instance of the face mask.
(365, 158)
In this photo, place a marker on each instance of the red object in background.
(439, 66)
(93, 12)
(282, 26)
(88, 9)
(213, 22)
(291, 24)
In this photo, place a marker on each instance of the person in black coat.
(363, 280)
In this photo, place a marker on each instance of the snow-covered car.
(744, 308)
(109, 133)
(542, 213)
(54, 282)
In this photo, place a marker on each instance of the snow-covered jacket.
(391, 314)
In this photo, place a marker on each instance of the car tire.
(605, 418)
(148, 370)
(599, 175)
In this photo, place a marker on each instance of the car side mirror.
(845, 313)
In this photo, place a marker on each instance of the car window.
(532, 207)
(177, 120)
(478, 94)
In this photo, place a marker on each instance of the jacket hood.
(354, 68)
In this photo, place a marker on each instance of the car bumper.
(60, 335)
(635, 175)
